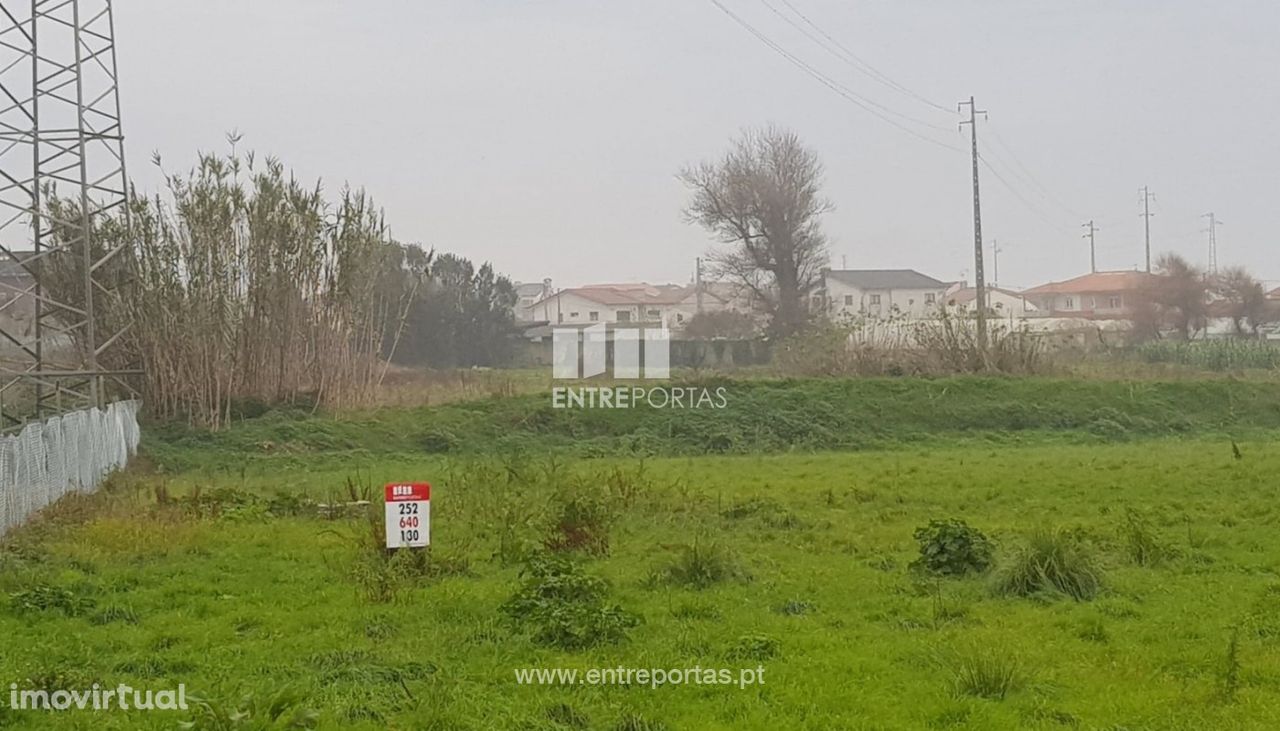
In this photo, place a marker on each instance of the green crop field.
(1129, 577)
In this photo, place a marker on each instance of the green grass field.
(211, 564)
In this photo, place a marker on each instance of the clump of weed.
(1230, 674)
(380, 628)
(754, 647)
(1141, 545)
(635, 722)
(1051, 560)
(699, 566)
(990, 673)
(49, 598)
(1093, 630)
(795, 607)
(582, 522)
(115, 613)
(563, 606)
(284, 708)
(289, 504)
(566, 715)
(952, 548)
(690, 610)
(750, 507)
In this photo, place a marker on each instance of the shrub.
(699, 567)
(1054, 561)
(582, 523)
(990, 674)
(952, 548)
(564, 607)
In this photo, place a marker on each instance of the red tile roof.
(1098, 282)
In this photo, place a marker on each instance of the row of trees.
(1183, 298)
(239, 283)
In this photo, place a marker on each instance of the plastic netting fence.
(70, 453)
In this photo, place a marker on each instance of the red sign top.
(398, 492)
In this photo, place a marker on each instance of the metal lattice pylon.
(60, 138)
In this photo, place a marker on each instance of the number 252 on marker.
(408, 515)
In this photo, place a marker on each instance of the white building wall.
(846, 299)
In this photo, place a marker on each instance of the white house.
(880, 293)
(1003, 302)
(671, 305)
(527, 295)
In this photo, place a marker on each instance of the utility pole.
(995, 263)
(979, 276)
(1146, 214)
(1214, 223)
(1093, 251)
(697, 287)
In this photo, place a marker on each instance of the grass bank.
(761, 416)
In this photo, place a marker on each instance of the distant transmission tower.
(60, 140)
(1214, 223)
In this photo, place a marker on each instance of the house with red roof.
(1100, 295)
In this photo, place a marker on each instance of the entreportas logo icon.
(584, 353)
(636, 353)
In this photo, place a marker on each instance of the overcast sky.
(545, 136)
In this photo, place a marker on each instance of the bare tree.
(1245, 298)
(763, 202)
(1181, 293)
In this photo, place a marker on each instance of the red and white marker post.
(408, 515)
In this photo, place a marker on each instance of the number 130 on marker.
(408, 515)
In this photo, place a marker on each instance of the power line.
(1017, 194)
(828, 49)
(1027, 175)
(853, 60)
(849, 95)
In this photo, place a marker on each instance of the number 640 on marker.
(408, 514)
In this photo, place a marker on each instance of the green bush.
(562, 606)
(952, 548)
(1051, 561)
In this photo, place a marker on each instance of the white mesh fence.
(70, 453)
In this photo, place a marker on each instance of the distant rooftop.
(1098, 282)
(885, 279)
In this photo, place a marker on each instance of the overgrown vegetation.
(896, 346)
(252, 579)
(761, 416)
(562, 606)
